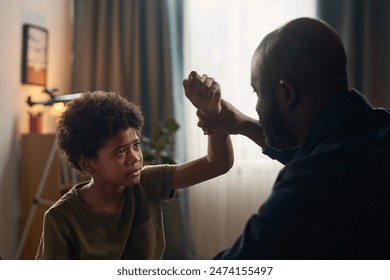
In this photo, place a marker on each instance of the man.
(332, 198)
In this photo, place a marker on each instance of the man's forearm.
(252, 129)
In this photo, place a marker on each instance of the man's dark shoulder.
(356, 150)
(366, 133)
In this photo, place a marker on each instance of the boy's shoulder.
(157, 170)
(68, 201)
(156, 180)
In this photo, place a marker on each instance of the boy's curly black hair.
(91, 120)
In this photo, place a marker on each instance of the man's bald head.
(305, 51)
(296, 71)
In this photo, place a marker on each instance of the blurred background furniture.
(44, 177)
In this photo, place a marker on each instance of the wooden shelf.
(35, 150)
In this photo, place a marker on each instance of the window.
(220, 38)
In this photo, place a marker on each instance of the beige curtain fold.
(125, 46)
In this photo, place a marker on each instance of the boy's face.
(119, 161)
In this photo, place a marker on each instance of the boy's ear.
(289, 93)
(86, 165)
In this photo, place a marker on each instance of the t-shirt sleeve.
(53, 244)
(157, 180)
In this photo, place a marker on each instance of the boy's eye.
(137, 145)
(122, 151)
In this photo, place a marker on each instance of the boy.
(118, 213)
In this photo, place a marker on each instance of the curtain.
(220, 39)
(364, 28)
(135, 48)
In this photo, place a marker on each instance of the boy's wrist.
(211, 115)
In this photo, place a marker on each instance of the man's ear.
(289, 93)
(86, 165)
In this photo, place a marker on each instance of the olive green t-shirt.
(71, 230)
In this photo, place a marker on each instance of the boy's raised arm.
(205, 94)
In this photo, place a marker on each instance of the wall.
(56, 16)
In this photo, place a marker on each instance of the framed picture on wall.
(34, 55)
